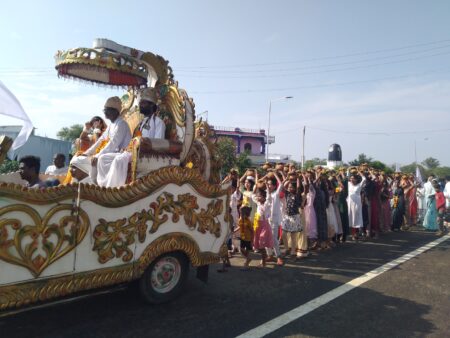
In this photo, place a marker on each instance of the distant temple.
(334, 156)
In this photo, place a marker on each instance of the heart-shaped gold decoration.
(36, 246)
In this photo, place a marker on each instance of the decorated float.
(171, 215)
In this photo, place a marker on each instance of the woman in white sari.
(354, 203)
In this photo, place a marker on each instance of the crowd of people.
(317, 209)
(314, 209)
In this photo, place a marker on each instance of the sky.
(372, 76)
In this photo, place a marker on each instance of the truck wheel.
(165, 278)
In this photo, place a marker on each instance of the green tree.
(441, 171)
(243, 162)
(315, 161)
(380, 166)
(362, 158)
(70, 133)
(9, 166)
(226, 154)
(431, 163)
(411, 169)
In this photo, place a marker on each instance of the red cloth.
(440, 200)
(412, 210)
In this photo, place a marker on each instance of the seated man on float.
(79, 169)
(115, 138)
(113, 168)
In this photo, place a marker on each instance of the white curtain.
(10, 106)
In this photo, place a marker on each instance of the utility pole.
(303, 147)
(268, 126)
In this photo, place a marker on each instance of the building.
(251, 140)
(42, 147)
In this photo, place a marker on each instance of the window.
(248, 148)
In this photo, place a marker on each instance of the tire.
(165, 278)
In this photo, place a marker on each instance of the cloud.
(389, 107)
(272, 38)
(402, 106)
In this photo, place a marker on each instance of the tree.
(226, 154)
(315, 161)
(243, 162)
(411, 169)
(362, 158)
(441, 171)
(431, 163)
(381, 166)
(70, 133)
(9, 166)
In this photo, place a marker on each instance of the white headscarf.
(81, 163)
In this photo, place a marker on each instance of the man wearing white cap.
(115, 138)
(79, 169)
(113, 172)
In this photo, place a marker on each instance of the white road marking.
(306, 308)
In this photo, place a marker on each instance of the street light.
(204, 113)
(268, 127)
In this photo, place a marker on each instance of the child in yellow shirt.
(245, 228)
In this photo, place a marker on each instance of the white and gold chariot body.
(172, 214)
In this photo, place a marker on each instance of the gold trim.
(5, 143)
(160, 66)
(172, 102)
(55, 239)
(102, 59)
(112, 239)
(175, 242)
(13, 296)
(116, 197)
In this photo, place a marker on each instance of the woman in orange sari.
(91, 132)
(412, 201)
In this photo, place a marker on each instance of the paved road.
(412, 300)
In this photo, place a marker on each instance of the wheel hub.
(165, 274)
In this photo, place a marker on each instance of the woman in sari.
(91, 132)
(430, 220)
(398, 207)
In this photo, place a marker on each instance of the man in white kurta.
(113, 168)
(115, 138)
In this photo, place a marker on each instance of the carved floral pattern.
(113, 239)
(18, 295)
(116, 197)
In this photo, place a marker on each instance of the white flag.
(418, 175)
(10, 106)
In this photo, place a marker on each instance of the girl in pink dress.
(310, 214)
(263, 237)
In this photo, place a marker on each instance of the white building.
(42, 147)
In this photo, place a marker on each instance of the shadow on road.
(237, 301)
